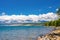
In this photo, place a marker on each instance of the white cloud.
(23, 18)
(57, 9)
(50, 7)
(3, 13)
(48, 17)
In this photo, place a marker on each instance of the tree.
(55, 23)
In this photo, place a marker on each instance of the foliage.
(55, 22)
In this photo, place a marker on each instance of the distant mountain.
(20, 22)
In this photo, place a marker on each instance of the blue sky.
(27, 7)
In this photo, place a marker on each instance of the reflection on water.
(22, 33)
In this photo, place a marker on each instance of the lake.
(23, 32)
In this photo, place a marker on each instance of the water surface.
(22, 32)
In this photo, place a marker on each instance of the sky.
(18, 11)
(27, 7)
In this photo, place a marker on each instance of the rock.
(54, 35)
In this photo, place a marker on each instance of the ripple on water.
(23, 32)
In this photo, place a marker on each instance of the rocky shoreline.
(54, 35)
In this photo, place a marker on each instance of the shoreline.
(54, 35)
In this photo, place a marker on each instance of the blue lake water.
(22, 32)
